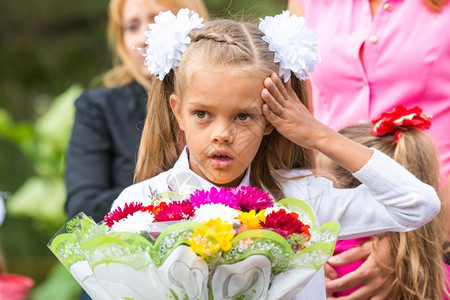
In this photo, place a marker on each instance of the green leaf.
(19, 134)
(41, 199)
(55, 125)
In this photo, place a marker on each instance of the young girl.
(244, 126)
(416, 256)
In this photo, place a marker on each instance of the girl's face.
(136, 15)
(221, 116)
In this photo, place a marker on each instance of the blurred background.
(50, 51)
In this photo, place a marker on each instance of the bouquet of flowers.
(231, 243)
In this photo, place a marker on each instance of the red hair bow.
(400, 119)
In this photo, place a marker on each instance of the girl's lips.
(220, 160)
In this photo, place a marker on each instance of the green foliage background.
(50, 51)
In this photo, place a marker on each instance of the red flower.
(400, 119)
(285, 224)
(119, 213)
(154, 209)
(175, 211)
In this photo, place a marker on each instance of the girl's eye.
(131, 27)
(243, 117)
(201, 114)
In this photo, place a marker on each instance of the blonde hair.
(219, 43)
(417, 255)
(124, 70)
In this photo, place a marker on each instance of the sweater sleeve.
(390, 199)
(411, 202)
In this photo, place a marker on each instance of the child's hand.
(291, 118)
(288, 115)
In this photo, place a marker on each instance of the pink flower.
(119, 213)
(243, 198)
(251, 198)
(223, 196)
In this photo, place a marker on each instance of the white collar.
(183, 180)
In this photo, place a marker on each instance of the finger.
(280, 85)
(330, 272)
(273, 105)
(348, 281)
(370, 292)
(274, 91)
(352, 255)
(270, 116)
(290, 91)
(377, 290)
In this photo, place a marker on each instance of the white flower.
(210, 211)
(293, 43)
(167, 40)
(276, 207)
(137, 222)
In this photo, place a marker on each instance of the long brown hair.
(219, 43)
(417, 255)
(124, 70)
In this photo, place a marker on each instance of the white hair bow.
(293, 43)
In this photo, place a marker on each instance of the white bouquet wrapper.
(160, 262)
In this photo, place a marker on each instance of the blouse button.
(387, 7)
(373, 39)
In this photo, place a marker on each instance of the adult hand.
(376, 283)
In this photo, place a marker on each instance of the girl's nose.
(224, 133)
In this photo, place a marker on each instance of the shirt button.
(387, 7)
(373, 39)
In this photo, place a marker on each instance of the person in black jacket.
(102, 148)
(106, 133)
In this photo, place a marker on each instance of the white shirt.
(390, 198)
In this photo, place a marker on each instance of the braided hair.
(219, 44)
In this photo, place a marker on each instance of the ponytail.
(162, 139)
(418, 254)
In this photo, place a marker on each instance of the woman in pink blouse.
(376, 55)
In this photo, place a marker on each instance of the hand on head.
(288, 115)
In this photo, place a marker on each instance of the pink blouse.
(342, 246)
(406, 60)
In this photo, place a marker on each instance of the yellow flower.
(251, 219)
(201, 245)
(208, 243)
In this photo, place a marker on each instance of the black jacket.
(103, 148)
